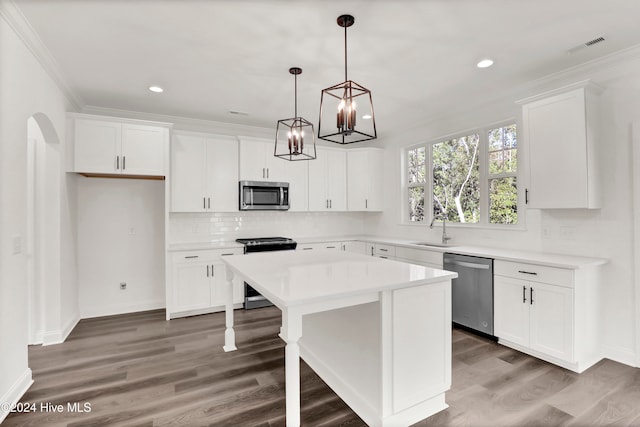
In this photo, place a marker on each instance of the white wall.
(605, 233)
(120, 233)
(25, 89)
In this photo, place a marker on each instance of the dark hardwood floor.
(140, 370)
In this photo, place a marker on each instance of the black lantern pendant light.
(341, 104)
(295, 138)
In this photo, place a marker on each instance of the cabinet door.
(555, 130)
(191, 285)
(511, 309)
(143, 149)
(354, 246)
(221, 174)
(336, 175)
(97, 146)
(296, 173)
(551, 320)
(364, 180)
(188, 192)
(252, 160)
(318, 199)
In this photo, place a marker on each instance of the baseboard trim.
(110, 311)
(15, 393)
(622, 355)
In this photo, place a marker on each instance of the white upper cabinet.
(364, 179)
(560, 131)
(113, 147)
(258, 163)
(328, 180)
(204, 173)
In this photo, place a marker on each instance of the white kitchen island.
(377, 331)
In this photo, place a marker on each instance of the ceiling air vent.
(585, 44)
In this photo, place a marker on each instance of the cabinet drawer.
(534, 273)
(204, 255)
(385, 250)
(317, 246)
(429, 257)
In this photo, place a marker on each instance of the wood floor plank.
(139, 370)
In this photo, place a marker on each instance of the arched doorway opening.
(43, 227)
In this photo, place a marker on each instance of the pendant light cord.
(295, 91)
(345, 53)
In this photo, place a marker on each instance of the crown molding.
(14, 17)
(184, 123)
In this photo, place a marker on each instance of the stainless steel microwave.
(262, 195)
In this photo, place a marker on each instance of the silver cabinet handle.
(212, 274)
(207, 271)
(124, 162)
(208, 202)
(204, 203)
(533, 273)
(226, 254)
(330, 204)
(371, 250)
(366, 203)
(330, 247)
(267, 172)
(384, 250)
(263, 174)
(117, 162)
(307, 249)
(531, 296)
(191, 257)
(327, 203)
(524, 294)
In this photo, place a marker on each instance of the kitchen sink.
(436, 245)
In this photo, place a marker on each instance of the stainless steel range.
(252, 298)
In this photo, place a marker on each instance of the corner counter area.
(545, 305)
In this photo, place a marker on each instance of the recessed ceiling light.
(485, 63)
(156, 89)
(367, 117)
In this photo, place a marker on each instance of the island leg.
(229, 333)
(291, 332)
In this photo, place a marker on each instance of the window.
(470, 179)
(456, 179)
(417, 170)
(503, 164)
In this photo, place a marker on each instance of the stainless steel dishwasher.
(472, 292)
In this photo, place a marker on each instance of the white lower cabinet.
(199, 283)
(547, 312)
(355, 246)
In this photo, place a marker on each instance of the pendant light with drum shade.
(341, 103)
(295, 137)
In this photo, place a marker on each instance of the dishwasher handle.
(468, 264)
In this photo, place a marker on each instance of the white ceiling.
(416, 56)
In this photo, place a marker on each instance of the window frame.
(484, 177)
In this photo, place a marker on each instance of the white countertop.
(296, 277)
(524, 256)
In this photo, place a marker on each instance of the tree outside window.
(454, 170)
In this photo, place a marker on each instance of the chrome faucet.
(442, 215)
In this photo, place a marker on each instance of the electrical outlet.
(123, 286)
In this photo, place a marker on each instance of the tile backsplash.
(204, 227)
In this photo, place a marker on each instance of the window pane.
(503, 201)
(496, 163)
(456, 189)
(416, 204)
(510, 160)
(416, 165)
